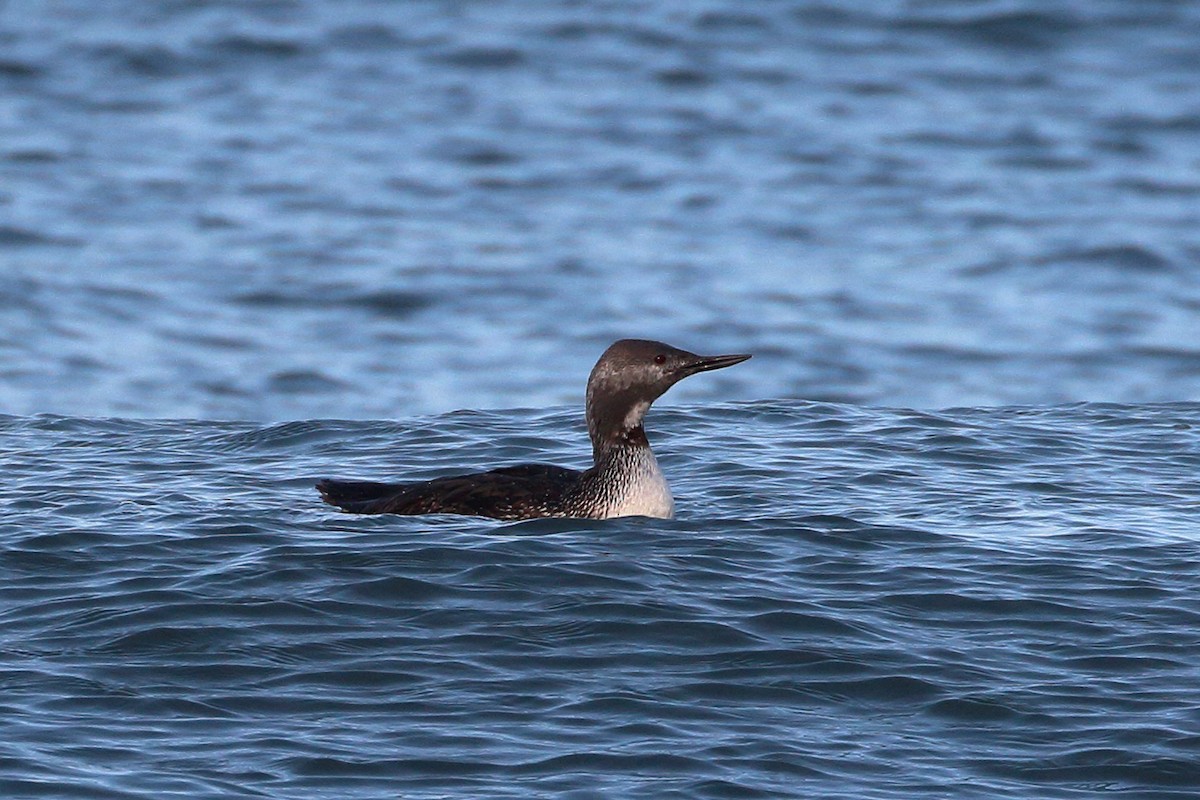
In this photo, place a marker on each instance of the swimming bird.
(624, 479)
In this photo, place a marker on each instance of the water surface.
(876, 603)
(937, 539)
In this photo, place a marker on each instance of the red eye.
(660, 359)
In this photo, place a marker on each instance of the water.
(291, 210)
(852, 602)
(937, 539)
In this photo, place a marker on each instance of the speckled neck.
(625, 481)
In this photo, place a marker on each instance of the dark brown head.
(632, 374)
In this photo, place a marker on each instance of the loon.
(624, 479)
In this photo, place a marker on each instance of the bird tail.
(357, 497)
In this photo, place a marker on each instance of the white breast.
(646, 493)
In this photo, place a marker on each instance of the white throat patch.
(636, 415)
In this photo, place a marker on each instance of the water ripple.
(745, 644)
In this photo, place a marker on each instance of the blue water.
(852, 602)
(937, 539)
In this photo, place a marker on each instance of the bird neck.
(618, 442)
(614, 419)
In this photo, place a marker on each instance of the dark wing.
(520, 492)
